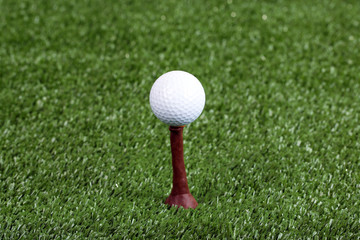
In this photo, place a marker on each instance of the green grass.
(275, 154)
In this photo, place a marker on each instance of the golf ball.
(177, 98)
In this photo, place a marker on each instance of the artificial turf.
(275, 154)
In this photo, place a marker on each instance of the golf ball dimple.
(177, 98)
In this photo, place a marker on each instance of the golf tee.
(180, 194)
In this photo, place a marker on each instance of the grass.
(275, 153)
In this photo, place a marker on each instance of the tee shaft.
(180, 184)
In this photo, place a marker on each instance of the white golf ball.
(177, 98)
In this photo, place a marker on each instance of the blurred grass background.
(275, 153)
